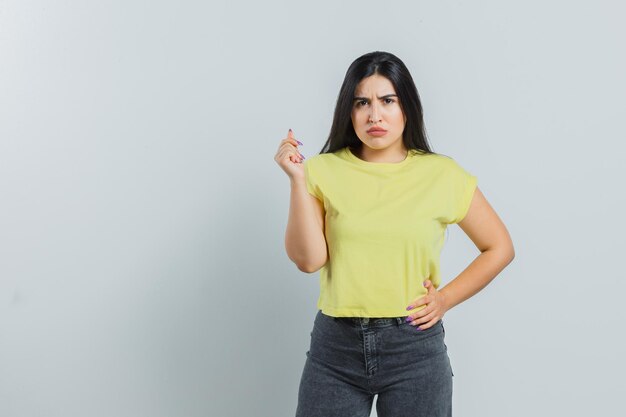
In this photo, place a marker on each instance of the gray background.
(143, 269)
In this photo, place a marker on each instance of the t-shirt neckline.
(381, 165)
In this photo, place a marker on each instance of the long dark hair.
(386, 64)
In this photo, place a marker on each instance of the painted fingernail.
(299, 143)
(408, 319)
(418, 329)
(408, 308)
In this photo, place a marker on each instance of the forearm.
(476, 276)
(304, 239)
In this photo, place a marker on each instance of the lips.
(376, 129)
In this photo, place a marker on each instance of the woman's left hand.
(435, 308)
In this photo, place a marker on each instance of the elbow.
(310, 267)
(306, 261)
(504, 253)
(509, 253)
(305, 265)
(307, 268)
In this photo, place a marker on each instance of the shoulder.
(446, 162)
(446, 168)
(321, 159)
(436, 161)
(439, 158)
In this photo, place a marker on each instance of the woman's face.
(376, 105)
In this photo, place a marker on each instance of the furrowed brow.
(380, 98)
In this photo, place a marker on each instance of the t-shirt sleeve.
(311, 179)
(462, 186)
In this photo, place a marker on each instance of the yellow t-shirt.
(384, 227)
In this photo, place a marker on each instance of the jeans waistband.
(373, 321)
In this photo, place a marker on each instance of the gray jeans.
(352, 359)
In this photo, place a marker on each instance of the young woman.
(370, 211)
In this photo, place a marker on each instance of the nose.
(374, 116)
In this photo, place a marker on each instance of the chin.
(378, 143)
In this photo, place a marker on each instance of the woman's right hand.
(289, 158)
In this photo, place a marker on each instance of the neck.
(383, 155)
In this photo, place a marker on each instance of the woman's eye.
(360, 103)
(389, 100)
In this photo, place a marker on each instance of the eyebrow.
(380, 98)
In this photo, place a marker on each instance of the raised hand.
(288, 157)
